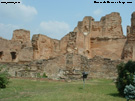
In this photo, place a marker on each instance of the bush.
(44, 75)
(38, 75)
(125, 75)
(41, 76)
(4, 77)
(129, 91)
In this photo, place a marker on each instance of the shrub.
(44, 75)
(41, 76)
(125, 75)
(4, 77)
(129, 91)
(38, 75)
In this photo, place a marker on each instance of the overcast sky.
(55, 18)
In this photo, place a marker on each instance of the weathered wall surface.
(102, 38)
(22, 36)
(44, 47)
(85, 25)
(133, 23)
(107, 47)
(103, 67)
(83, 44)
(68, 66)
(68, 43)
(5, 55)
(129, 48)
(75, 42)
(109, 26)
(17, 49)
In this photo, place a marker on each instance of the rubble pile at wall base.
(69, 67)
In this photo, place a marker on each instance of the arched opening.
(13, 55)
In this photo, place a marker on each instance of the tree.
(129, 91)
(4, 77)
(125, 75)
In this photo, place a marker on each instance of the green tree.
(125, 75)
(4, 77)
(44, 75)
(129, 91)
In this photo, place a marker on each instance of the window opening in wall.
(88, 51)
(1, 54)
(85, 28)
(13, 55)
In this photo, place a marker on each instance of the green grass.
(36, 90)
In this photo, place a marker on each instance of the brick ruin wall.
(129, 47)
(19, 48)
(89, 39)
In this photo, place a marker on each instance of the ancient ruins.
(93, 46)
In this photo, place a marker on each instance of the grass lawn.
(37, 90)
